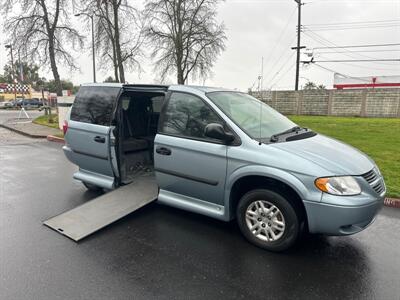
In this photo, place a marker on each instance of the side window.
(94, 105)
(187, 115)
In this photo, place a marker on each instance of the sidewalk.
(27, 128)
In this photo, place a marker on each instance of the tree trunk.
(115, 62)
(111, 34)
(117, 42)
(116, 72)
(53, 65)
(50, 34)
(180, 78)
(179, 44)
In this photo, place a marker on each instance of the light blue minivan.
(224, 154)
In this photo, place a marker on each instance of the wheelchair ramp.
(88, 218)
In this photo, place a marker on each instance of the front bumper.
(330, 219)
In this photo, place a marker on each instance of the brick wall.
(361, 102)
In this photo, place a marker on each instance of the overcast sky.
(267, 28)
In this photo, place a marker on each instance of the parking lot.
(6, 114)
(165, 253)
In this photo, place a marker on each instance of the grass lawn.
(45, 120)
(379, 138)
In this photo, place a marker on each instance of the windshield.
(256, 118)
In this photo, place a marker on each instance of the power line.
(283, 74)
(282, 34)
(359, 46)
(330, 70)
(316, 37)
(349, 23)
(359, 51)
(325, 42)
(356, 60)
(352, 25)
(362, 67)
(281, 56)
(287, 61)
(368, 68)
(341, 74)
(350, 28)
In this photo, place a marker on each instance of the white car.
(5, 104)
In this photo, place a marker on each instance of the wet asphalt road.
(164, 253)
(6, 114)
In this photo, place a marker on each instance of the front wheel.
(268, 220)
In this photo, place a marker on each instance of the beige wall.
(361, 102)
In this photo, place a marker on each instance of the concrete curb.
(392, 202)
(56, 139)
(34, 136)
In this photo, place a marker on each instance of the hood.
(330, 154)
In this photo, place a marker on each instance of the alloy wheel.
(265, 221)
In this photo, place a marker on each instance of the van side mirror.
(217, 131)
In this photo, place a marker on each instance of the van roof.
(176, 87)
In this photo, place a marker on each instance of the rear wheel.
(92, 187)
(268, 220)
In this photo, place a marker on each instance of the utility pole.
(20, 71)
(262, 73)
(298, 48)
(91, 16)
(12, 70)
(12, 60)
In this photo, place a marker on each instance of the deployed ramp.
(87, 218)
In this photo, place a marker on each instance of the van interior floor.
(136, 165)
(96, 214)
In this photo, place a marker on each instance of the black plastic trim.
(301, 136)
(189, 177)
(88, 154)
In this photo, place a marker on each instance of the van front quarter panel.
(259, 177)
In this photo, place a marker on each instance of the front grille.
(375, 181)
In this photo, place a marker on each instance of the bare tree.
(40, 29)
(185, 35)
(119, 34)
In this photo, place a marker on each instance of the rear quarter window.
(94, 105)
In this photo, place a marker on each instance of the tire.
(274, 219)
(92, 187)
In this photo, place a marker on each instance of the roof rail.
(146, 86)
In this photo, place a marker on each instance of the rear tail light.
(65, 127)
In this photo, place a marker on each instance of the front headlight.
(342, 186)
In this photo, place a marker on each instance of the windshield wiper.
(275, 137)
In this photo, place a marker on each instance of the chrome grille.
(375, 181)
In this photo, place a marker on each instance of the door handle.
(163, 151)
(100, 139)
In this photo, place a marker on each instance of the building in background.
(9, 92)
(343, 82)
